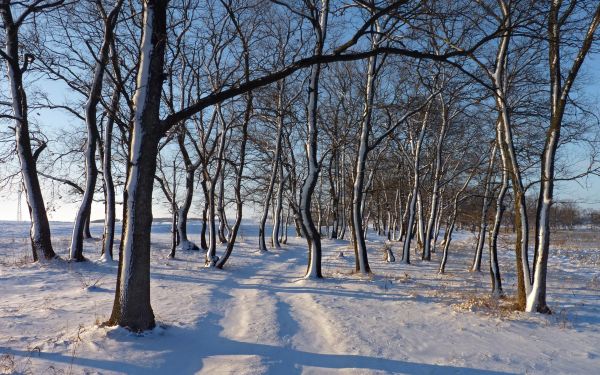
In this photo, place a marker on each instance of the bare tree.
(40, 236)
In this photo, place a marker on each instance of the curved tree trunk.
(313, 238)
(240, 169)
(221, 208)
(211, 257)
(358, 188)
(39, 233)
(84, 212)
(183, 212)
(493, 247)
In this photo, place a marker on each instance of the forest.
(388, 135)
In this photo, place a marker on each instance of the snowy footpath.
(259, 317)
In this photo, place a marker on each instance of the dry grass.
(502, 307)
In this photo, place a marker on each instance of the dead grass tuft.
(503, 307)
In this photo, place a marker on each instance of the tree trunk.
(183, 212)
(435, 191)
(494, 266)
(39, 233)
(274, 171)
(313, 238)
(174, 213)
(278, 210)
(108, 237)
(132, 307)
(203, 243)
(240, 169)
(91, 172)
(221, 207)
(415, 191)
(560, 87)
(357, 208)
(476, 266)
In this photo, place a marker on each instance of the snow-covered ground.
(258, 316)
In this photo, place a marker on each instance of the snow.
(258, 316)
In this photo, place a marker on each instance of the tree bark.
(108, 237)
(435, 191)
(274, 169)
(415, 190)
(357, 208)
(91, 173)
(41, 245)
(483, 223)
(313, 238)
(132, 307)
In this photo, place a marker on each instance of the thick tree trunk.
(132, 307)
(39, 233)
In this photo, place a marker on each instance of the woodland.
(310, 121)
